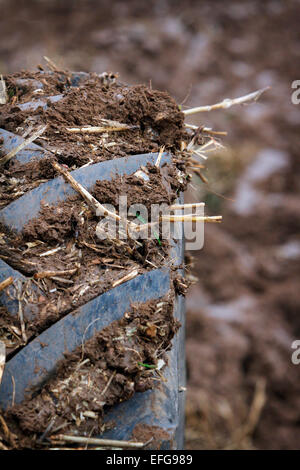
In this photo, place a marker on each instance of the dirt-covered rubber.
(162, 407)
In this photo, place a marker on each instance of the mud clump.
(153, 116)
(144, 433)
(153, 119)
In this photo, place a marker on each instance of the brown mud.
(143, 433)
(153, 119)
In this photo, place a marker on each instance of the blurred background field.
(244, 311)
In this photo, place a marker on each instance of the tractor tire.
(161, 407)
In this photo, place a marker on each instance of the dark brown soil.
(117, 362)
(144, 432)
(153, 116)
